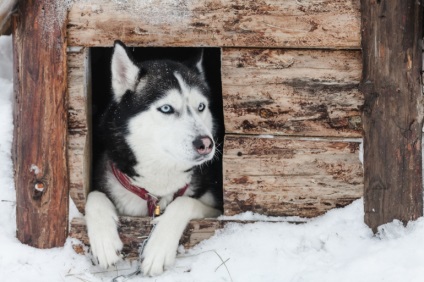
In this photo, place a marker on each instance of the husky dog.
(158, 131)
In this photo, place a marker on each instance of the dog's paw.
(161, 249)
(159, 252)
(102, 229)
(106, 247)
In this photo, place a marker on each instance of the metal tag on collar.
(157, 210)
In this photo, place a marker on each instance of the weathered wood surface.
(133, 231)
(285, 177)
(393, 114)
(79, 140)
(292, 92)
(40, 124)
(265, 23)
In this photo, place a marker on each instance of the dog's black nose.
(203, 145)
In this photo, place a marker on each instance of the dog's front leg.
(160, 250)
(102, 226)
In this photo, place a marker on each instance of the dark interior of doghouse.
(101, 95)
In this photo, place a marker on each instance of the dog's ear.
(125, 73)
(196, 63)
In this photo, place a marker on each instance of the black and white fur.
(159, 111)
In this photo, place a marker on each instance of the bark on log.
(79, 125)
(392, 60)
(240, 23)
(292, 92)
(134, 230)
(40, 119)
(289, 177)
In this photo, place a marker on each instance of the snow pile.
(335, 247)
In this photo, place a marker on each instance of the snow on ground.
(334, 247)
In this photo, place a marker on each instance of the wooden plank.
(286, 177)
(265, 23)
(78, 88)
(393, 113)
(79, 137)
(40, 124)
(133, 231)
(79, 167)
(292, 92)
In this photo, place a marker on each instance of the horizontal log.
(292, 92)
(267, 23)
(79, 147)
(133, 231)
(286, 177)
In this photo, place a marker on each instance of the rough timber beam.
(392, 118)
(40, 119)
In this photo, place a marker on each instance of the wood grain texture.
(79, 135)
(393, 113)
(292, 92)
(40, 124)
(133, 231)
(252, 23)
(289, 177)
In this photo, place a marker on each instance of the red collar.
(141, 192)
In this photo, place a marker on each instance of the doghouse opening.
(101, 95)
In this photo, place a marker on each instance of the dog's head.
(162, 109)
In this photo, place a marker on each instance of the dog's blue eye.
(201, 107)
(166, 109)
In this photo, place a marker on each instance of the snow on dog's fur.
(158, 130)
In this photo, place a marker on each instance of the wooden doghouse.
(268, 91)
(293, 110)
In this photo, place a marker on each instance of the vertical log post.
(392, 60)
(40, 120)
